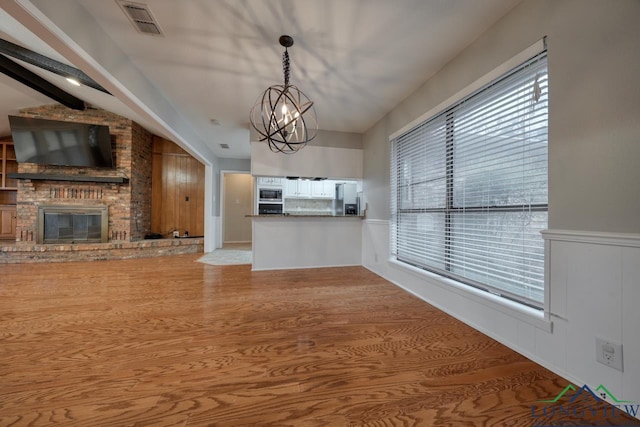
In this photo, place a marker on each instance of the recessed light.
(73, 81)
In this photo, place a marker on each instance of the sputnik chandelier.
(283, 115)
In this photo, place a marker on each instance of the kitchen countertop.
(303, 216)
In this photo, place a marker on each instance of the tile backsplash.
(308, 206)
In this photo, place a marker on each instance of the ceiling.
(356, 59)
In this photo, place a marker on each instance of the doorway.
(235, 204)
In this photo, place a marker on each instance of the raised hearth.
(35, 253)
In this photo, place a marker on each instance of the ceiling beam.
(46, 63)
(125, 81)
(37, 83)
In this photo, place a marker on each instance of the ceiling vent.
(225, 146)
(141, 18)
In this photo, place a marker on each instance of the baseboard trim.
(376, 221)
(305, 267)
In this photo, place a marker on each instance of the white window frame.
(541, 317)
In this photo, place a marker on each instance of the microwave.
(273, 195)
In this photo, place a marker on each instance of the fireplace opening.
(72, 224)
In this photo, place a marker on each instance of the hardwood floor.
(174, 342)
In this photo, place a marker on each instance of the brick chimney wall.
(129, 204)
(140, 184)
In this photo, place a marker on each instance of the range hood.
(307, 178)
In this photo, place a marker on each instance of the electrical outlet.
(609, 353)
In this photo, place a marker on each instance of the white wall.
(330, 155)
(593, 175)
(326, 138)
(211, 222)
(298, 242)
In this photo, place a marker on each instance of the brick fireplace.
(128, 204)
(122, 195)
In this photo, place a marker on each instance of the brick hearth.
(33, 253)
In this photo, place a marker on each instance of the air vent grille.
(138, 13)
(148, 28)
(225, 146)
(141, 18)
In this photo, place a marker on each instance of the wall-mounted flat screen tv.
(52, 142)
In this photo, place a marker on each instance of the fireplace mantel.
(74, 178)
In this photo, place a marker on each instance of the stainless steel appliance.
(346, 201)
(273, 195)
(270, 208)
(270, 200)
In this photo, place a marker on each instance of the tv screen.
(52, 142)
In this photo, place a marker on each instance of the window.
(469, 187)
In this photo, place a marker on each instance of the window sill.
(521, 312)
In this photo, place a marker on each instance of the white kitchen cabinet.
(304, 188)
(323, 189)
(297, 188)
(290, 188)
(317, 189)
(270, 181)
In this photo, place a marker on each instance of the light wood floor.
(173, 342)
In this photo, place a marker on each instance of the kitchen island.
(306, 241)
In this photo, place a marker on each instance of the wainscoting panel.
(594, 304)
(594, 284)
(631, 321)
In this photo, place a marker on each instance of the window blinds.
(469, 187)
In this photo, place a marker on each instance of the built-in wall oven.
(270, 200)
(270, 208)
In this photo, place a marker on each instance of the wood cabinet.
(8, 190)
(177, 201)
(7, 222)
(8, 164)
